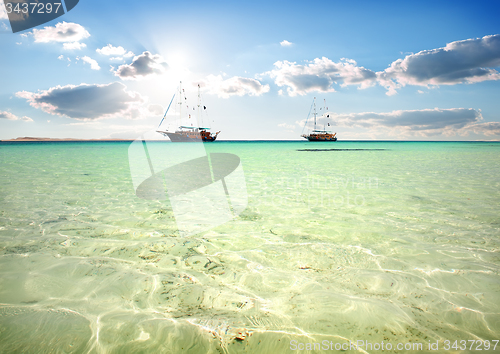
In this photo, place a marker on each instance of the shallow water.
(348, 241)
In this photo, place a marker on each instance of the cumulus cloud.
(10, 116)
(3, 13)
(486, 128)
(66, 32)
(156, 109)
(74, 45)
(93, 64)
(88, 102)
(319, 75)
(467, 61)
(142, 65)
(407, 123)
(286, 43)
(235, 86)
(109, 50)
(288, 127)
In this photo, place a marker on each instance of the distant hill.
(28, 138)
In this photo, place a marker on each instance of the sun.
(176, 60)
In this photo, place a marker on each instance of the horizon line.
(40, 140)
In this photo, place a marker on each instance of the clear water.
(375, 241)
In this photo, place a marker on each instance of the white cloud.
(3, 13)
(156, 109)
(74, 46)
(7, 115)
(65, 32)
(88, 102)
(467, 61)
(93, 64)
(286, 43)
(289, 128)
(413, 123)
(62, 32)
(319, 75)
(487, 128)
(10, 116)
(142, 65)
(234, 86)
(109, 50)
(286, 126)
(60, 57)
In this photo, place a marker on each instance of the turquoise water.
(375, 241)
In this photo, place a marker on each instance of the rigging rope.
(310, 109)
(166, 111)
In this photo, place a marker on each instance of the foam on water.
(373, 241)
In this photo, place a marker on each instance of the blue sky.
(389, 70)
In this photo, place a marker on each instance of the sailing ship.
(186, 133)
(319, 135)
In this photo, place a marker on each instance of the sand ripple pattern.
(88, 268)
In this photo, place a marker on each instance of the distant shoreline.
(27, 138)
(35, 139)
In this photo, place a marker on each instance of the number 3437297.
(471, 343)
(33, 7)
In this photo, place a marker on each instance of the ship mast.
(180, 103)
(199, 103)
(324, 113)
(314, 113)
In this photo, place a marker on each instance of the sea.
(249, 247)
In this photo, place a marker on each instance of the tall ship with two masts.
(319, 135)
(186, 133)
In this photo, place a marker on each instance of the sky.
(379, 70)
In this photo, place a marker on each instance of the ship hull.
(190, 137)
(320, 137)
